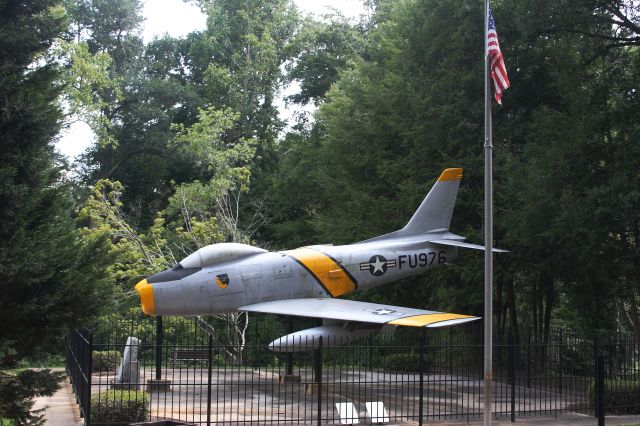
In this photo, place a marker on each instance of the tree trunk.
(511, 308)
(549, 295)
(499, 309)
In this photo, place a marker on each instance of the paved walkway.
(62, 409)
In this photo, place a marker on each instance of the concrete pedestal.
(289, 378)
(155, 385)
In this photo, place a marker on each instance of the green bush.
(119, 408)
(621, 396)
(406, 362)
(105, 360)
(45, 361)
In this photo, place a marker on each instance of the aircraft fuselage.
(321, 271)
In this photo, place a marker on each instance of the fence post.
(421, 406)
(560, 345)
(512, 375)
(87, 420)
(317, 367)
(595, 372)
(600, 403)
(529, 359)
(370, 346)
(290, 354)
(159, 339)
(209, 375)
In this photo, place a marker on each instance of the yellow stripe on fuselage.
(427, 319)
(327, 271)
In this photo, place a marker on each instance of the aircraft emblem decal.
(378, 265)
(222, 280)
(383, 311)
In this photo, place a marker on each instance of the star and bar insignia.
(378, 265)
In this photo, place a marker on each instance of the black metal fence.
(79, 350)
(222, 372)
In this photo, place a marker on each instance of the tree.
(322, 50)
(46, 283)
(378, 143)
(411, 106)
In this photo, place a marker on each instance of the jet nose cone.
(145, 290)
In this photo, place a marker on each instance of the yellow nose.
(145, 290)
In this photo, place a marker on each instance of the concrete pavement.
(564, 420)
(62, 409)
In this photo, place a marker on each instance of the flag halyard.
(498, 68)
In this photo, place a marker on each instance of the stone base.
(312, 388)
(162, 385)
(292, 378)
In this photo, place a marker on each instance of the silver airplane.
(308, 281)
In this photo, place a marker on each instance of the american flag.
(498, 69)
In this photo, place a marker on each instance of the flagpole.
(488, 231)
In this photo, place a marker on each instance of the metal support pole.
(488, 233)
(290, 354)
(421, 409)
(317, 367)
(159, 339)
(209, 376)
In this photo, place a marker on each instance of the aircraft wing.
(351, 310)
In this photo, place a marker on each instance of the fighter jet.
(309, 281)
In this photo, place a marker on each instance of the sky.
(177, 18)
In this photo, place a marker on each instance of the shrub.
(621, 396)
(119, 407)
(408, 362)
(105, 360)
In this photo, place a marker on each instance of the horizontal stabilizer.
(456, 243)
(351, 310)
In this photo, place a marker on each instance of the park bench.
(190, 355)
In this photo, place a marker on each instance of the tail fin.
(436, 209)
(434, 214)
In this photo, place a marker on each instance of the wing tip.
(431, 320)
(452, 322)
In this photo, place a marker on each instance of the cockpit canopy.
(218, 253)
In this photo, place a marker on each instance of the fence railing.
(205, 372)
(78, 366)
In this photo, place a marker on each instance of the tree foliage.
(50, 279)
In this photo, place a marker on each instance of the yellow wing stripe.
(451, 174)
(427, 319)
(145, 290)
(326, 270)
